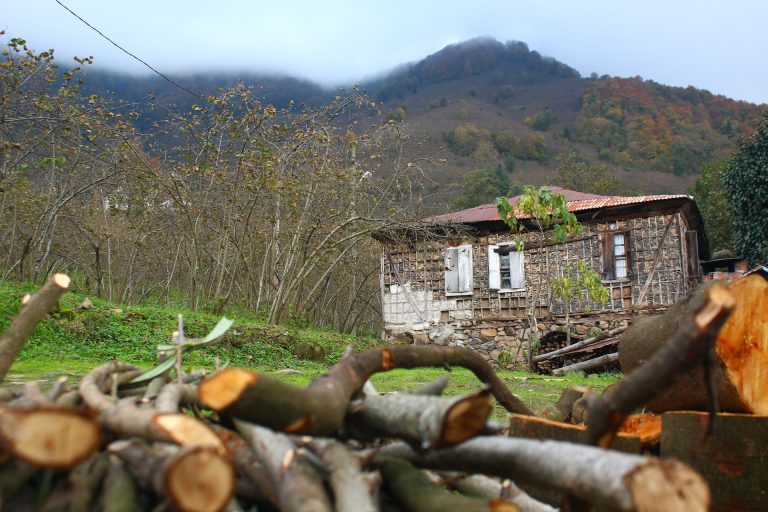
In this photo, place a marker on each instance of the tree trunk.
(589, 364)
(741, 351)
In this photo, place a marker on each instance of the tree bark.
(486, 487)
(741, 353)
(299, 486)
(606, 478)
(119, 490)
(413, 491)
(319, 409)
(427, 422)
(33, 311)
(353, 490)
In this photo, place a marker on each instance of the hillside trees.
(746, 181)
(233, 201)
(576, 174)
(712, 199)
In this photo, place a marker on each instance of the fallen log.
(319, 409)
(687, 348)
(413, 491)
(428, 422)
(589, 364)
(606, 478)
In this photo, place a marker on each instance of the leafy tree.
(576, 174)
(746, 181)
(541, 121)
(576, 286)
(713, 203)
(482, 186)
(548, 214)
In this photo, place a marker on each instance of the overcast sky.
(717, 45)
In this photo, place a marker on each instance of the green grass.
(73, 340)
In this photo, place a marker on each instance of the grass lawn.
(74, 339)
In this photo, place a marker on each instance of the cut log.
(53, 438)
(193, 479)
(607, 478)
(413, 491)
(34, 309)
(568, 399)
(589, 364)
(741, 369)
(733, 458)
(428, 422)
(434, 388)
(319, 409)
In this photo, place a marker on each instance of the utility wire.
(176, 84)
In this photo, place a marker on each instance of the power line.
(176, 84)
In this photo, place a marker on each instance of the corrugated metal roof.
(577, 201)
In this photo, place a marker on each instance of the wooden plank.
(733, 459)
(532, 427)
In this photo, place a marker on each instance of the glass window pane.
(621, 268)
(618, 250)
(618, 240)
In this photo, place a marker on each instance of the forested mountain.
(501, 106)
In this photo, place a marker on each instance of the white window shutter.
(451, 270)
(465, 268)
(494, 268)
(517, 269)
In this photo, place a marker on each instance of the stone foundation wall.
(501, 342)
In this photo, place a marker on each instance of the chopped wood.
(319, 409)
(353, 489)
(413, 491)
(708, 310)
(741, 352)
(428, 422)
(33, 311)
(193, 479)
(568, 397)
(579, 345)
(606, 478)
(299, 485)
(589, 364)
(172, 395)
(51, 438)
(119, 490)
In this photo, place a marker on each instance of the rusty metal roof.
(577, 201)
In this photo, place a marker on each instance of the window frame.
(608, 249)
(470, 279)
(492, 248)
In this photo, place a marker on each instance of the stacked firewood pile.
(597, 352)
(236, 439)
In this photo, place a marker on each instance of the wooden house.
(461, 282)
